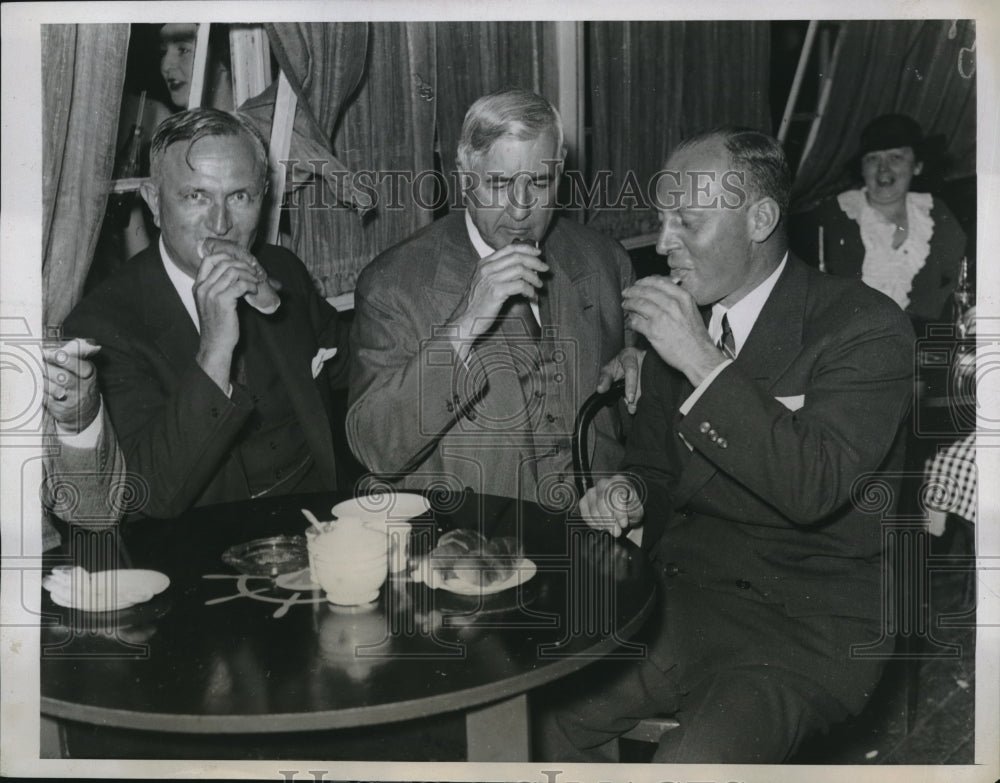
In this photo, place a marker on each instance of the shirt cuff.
(86, 438)
(688, 404)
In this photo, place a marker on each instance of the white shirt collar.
(743, 315)
(477, 239)
(182, 282)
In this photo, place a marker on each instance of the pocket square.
(794, 402)
(322, 356)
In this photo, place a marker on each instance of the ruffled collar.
(885, 268)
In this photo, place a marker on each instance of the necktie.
(726, 341)
(517, 307)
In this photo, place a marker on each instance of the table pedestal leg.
(499, 732)
(52, 739)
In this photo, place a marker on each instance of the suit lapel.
(773, 343)
(172, 329)
(570, 309)
(776, 338)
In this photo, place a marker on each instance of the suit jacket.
(178, 430)
(414, 404)
(844, 253)
(768, 504)
(84, 485)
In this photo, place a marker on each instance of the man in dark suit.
(217, 388)
(477, 338)
(744, 475)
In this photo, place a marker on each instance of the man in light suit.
(746, 463)
(217, 387)
(477, 338)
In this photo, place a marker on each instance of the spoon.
(312, 519)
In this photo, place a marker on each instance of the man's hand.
(628, 365)
(223, 277)
(266, 299)
(612, 504)
(71, 394)
(510, 271)
(669, 318)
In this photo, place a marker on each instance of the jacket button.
(722, 443)
(704, 427)
(743, 584)
(671, 569)
(449, 406)
(713, 436)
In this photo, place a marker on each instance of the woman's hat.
(890, 131)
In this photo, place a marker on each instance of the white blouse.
(885, 268)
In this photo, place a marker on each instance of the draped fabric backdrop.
(653, 83)
(925, 69)
(324, 64)
(387, 127)
(477, 58)
(83, 71)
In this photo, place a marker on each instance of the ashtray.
(268, 556)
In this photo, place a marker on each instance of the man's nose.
(518, 200)
(219, 220)
(664, 242)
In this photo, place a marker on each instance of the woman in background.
(907, 245)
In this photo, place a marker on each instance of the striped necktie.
(726, 341)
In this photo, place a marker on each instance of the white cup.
(349, 561)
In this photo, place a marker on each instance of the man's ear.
(151, 195)
(763, 218)
(918, 169)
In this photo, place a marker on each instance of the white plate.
(131, 586)
(430, 576)
(378, 508)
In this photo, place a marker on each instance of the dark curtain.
(388, 126)
(476, 58)
(324, 64)
(652, 84)
(83, 70)
(923, 68)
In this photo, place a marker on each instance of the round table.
(222, 653)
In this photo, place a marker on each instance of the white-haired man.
(477, 338)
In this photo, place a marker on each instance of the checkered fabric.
(951, 479)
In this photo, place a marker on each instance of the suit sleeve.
(175, 438)
(649, 456)
(803, 463)
(408, 389)
(95, 478)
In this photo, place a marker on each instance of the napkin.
(106, 590)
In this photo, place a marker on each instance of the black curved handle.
(581, 433)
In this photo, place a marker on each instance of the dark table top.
(217, 652)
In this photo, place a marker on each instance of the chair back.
(581, 432)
